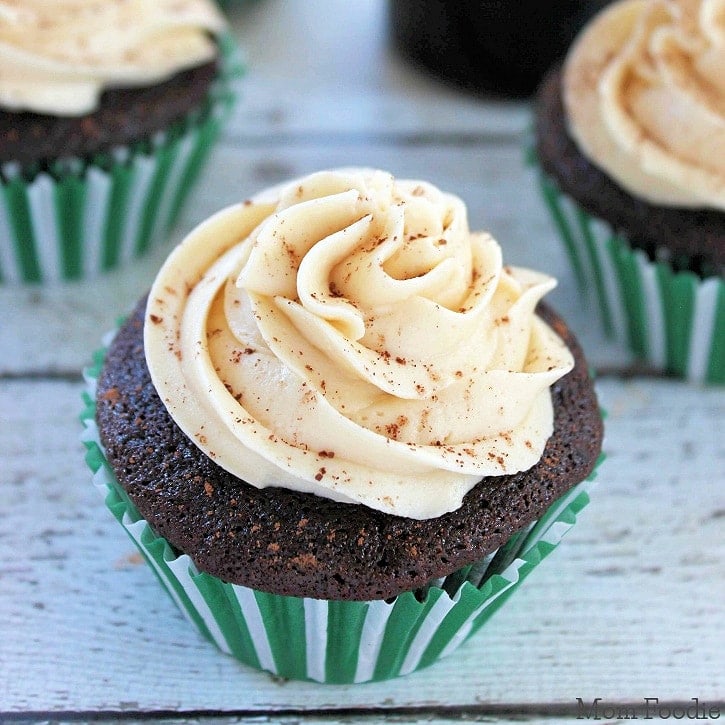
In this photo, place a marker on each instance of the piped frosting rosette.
(347, 335)
(644, 89)
(57, 58)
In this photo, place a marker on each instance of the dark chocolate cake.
(297, 544)
(124, 116)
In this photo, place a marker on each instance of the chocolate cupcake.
(496, 48)
(107, 113)
(630, 139)
(338, 420)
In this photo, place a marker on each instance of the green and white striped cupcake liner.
(340, 642)
(84, 217)
(674, 321)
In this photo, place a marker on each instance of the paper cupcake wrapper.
(334, 641)
(675, 321)
(84, 217)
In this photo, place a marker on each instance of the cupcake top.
(644, 93)
(57, 58)
(347, 335)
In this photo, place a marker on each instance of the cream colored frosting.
(58, 57)
(644, 91)
(347, 335)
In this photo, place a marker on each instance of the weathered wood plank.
(629, 606)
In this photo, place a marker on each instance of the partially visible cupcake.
(340, 430)
(630, 138)
(108, 109)
(487, 46)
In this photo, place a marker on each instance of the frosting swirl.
(644, 91)
(347, 335)
(57, 58)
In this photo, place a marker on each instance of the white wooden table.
(630, 606)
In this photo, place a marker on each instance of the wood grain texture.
(629, 606)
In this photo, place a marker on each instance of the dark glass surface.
(495, 47)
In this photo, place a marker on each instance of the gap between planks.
(488, 712)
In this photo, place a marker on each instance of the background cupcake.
(493, 47)
(107, 112)
(630, 137)
(324, 493)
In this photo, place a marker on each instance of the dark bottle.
(499, 47)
